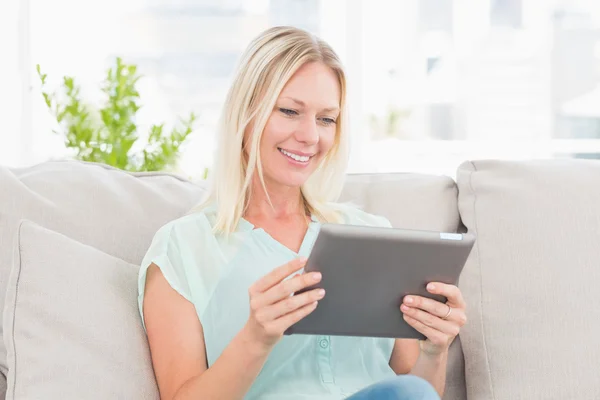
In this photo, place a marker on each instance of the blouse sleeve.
(187, 254)
(164, 254)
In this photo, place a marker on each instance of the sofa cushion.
(531, 283)
(72, 327)
(411, 201)
(111, 210)
(414, 201)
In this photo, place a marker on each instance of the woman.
(215, 285)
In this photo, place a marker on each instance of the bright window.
(433, 82)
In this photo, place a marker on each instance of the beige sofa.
(72, 235)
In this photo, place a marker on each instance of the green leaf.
(68, 82)
(107, 135)
(47, 100)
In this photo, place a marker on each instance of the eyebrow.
(301, 103)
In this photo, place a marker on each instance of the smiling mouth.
(295, 157)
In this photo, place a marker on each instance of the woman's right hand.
(272, 308)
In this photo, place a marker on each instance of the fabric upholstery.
(72, 328)
(531, 283)
(113, 211)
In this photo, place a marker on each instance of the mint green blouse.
(214, 273)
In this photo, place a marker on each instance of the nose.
(308, 132)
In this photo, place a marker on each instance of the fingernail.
(404, 308)
(302, 260)
(408, 299)
(321, 292)
(316, 276)
(431, 286)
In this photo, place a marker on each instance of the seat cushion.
(116, 212)
(531, 283)
(72, 327)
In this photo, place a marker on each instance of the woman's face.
(302, 126)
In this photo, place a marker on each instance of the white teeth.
(295, 156)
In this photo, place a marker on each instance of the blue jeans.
(401, 387)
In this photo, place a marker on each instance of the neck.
(286, 201)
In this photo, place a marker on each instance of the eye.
(328, 121)
(287, 111)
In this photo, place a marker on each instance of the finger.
(436, 308)
(277, 275)
(431, 306)
(436, 337)
(284, 322)
(451, 292)
(449, 328)
(290, 304)
(286, 288)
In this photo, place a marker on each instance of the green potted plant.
(107, 135)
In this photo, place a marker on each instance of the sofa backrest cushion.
(531, 283)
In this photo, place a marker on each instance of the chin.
(292, 180)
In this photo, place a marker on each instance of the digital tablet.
(367, 271)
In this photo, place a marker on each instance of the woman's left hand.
(439, 322)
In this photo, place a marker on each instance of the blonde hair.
(265, 67)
